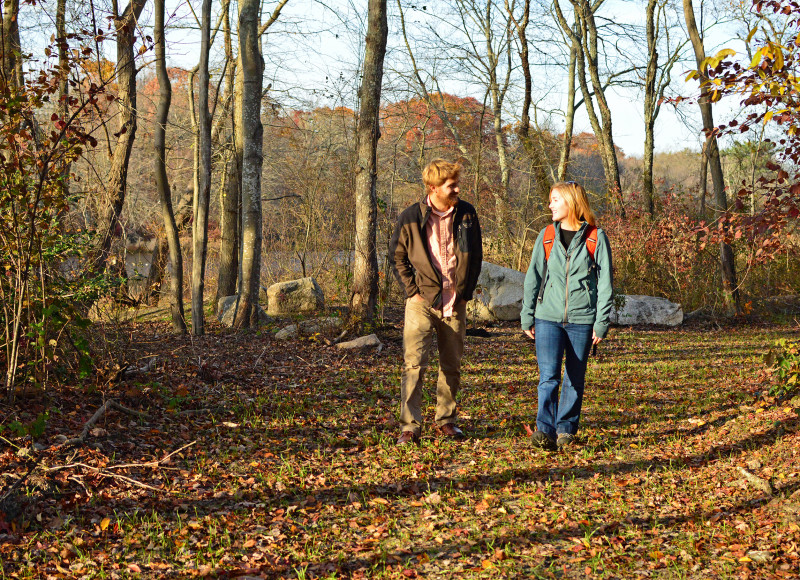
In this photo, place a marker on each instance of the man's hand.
(529, 333)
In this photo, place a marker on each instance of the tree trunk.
(569, 115)
(730, 288)
(365, 265)
(252, 65)
(117, 184)
(586, 40)
(649, 107)
(229, 192)
(162, 183)
(11, 46)
(200, 225)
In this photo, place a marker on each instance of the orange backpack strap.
(591, 240)
(549, 237)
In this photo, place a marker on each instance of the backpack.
(547, 242)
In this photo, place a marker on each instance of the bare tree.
(252, 65)
(117, 184)
(657, 79)
(365, 266)
(584, 37)
(228, 270)
(203, 192)
(162, 183)
(729, 286)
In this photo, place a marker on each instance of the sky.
(312, 55)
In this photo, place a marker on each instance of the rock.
(369, 341)
(308, 327)
(647, 310)
(498, 295)
(226, 310)
(295, 297)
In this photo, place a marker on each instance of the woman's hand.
(529, 333)
(595, 339)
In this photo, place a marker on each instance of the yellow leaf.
(724, 52)
(104, 523)
(745, 559)
(757, 57)
(751, 34)
(768, 116)
(778, 58)
(761, 410)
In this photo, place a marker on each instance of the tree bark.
(365, 265)
(252, 65)
(569, 114)
(125, 25)
(650, 107)
(229, 197)
(730, 288)
(200, 224)
(162, 182)
(11, 46)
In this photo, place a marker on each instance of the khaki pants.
(420, 323)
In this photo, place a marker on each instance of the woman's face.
(558, 206)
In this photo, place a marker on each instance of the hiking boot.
(543, 441)
(564, 440)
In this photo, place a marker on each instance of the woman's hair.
(577, 201)
(438, 171)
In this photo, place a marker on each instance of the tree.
(365, 266)
(584, 36)
(11, 69)
(657, 78)
(730, 288)
(117, 183)
(252, 65)
(203, 191)
(162, 182)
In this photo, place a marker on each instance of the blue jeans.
(556, 341)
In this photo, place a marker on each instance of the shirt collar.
(441, 214)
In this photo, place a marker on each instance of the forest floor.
(255, 458)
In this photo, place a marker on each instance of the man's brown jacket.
(410, 256)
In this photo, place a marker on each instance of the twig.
(104, 474)
(756, 481)
(258, 360)
(194, 412)
(109, 404)
(152, 463)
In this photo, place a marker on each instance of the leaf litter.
(255, 458)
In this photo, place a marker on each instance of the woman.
(566, 307)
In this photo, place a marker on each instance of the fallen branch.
(110, 404)
(104, 474)
(155, 463)
(757, 482)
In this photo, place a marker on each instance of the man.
(436, 255)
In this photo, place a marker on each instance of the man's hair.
(577, 201)
(438, 171)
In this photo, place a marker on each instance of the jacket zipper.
(566, 290)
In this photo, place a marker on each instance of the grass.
(295, 473)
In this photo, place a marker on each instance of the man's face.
(446, 195)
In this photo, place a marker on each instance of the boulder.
(647, 310)
(226, 310)
(295, 297)
(498, 295)
(369, 341)
(308, 327)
